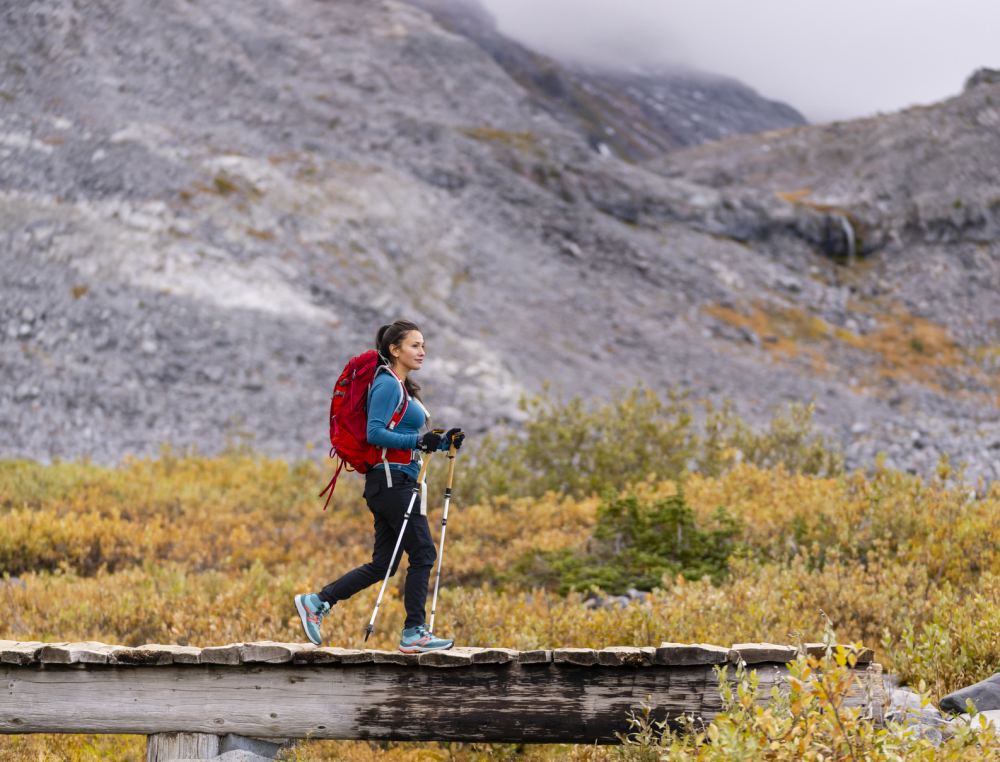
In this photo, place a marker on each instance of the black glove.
(455, 437)
(430, 442)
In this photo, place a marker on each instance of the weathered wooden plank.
(228, 654)
(762, 653)
(356, 656)
(270, 652)
(141, 656)
(538, 703)
(394, 657)
(878, 700)
(864, 655)
(583, 657)
(677, 654)
(455, 657)
(155, 654)
(494, 655)
(167, 747)
(537, 656)
(626, 656)
(512, 703)
(88, 652)
(332, 655)
(22, 652)
(690, 654)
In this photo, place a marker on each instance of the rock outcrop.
(984, 696)
(207, 208)
(636, 115)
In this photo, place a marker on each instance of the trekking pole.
(399, 540)
(452, 453)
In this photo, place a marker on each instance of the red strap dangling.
(331, 485)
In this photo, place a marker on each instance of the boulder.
(985, 695)
(923, 720)
(982, 76)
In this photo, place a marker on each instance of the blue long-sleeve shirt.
(384, 398)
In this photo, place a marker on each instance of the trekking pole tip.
(368, 631)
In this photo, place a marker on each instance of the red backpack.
(349, 420)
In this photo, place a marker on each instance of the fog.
(830, 60)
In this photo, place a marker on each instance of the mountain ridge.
(636, 115)
(208, 209)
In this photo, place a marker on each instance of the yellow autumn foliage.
(209, 550)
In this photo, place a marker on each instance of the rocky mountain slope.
(207, 207)
(907, 205)
(635, 115)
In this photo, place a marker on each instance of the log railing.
(270, 690)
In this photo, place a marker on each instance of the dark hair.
(389, 335)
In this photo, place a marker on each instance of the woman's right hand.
(454, 437)
(430, 442)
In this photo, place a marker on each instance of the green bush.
(959, 645)
(580, 448)
(789, 441)
(635, 545)
(809, 720)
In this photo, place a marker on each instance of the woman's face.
(409, 353)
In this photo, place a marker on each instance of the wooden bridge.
(195, 702)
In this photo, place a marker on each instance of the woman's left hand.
(453, 437)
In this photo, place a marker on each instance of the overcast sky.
(829, 59)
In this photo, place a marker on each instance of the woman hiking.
(388, 491)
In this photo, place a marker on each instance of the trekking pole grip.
(423, 468)
(452, 454)
(427, 460)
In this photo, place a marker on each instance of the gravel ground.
(206, 209)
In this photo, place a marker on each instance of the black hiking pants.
(388, 506)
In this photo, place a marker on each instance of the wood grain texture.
(455, 657)
(626, 656)
(494, 655)
(878, 696)
(395, 657)
(76, 653)
(270, 652)
(332, 655)
(762, 653)
(676, 654)
(538, 656)
(547, 702)
(228, 654)
(155, 654)
(22, 652)
(166, 747)
(690, 654)
(584, 657)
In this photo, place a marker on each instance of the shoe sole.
(419, 650)
(305, 620)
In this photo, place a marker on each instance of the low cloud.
(829, 60)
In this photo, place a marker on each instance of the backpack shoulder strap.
(403, 403)
(397, 415)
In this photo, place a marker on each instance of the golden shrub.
(210, 550)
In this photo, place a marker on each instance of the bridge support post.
(166, 747)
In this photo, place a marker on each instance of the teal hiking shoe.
(417, 640)
(311, 611)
